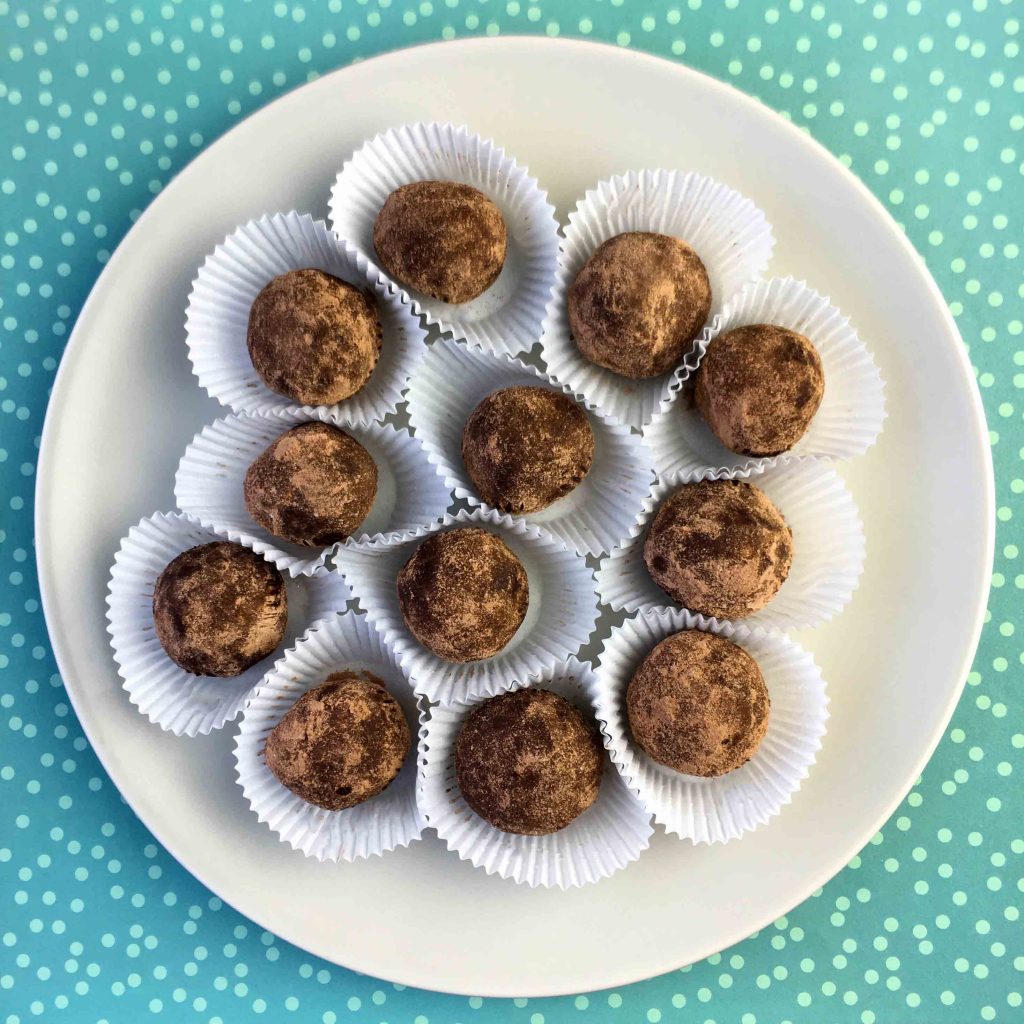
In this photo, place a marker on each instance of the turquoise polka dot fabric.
(102, 102)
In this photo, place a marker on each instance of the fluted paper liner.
(505, 318)
(167, 695)
(560, 618)
(719, 809)
(386, 821)
(728, 232)
(217, 318)
(210, 477)
(828, 552)
(597, 513)
(847, 422)
(606, 837)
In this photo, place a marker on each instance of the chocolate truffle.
(698, 704)
(638, 303)
(525, 447)
(463, 594)
(314, 338)
(441, 238)
(758, 388)
(219, 608)
(528, 762)
(313, 486)
(719, 547)
(340, 743)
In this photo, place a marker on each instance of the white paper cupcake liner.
(828, 552)
(719, 809)
(452, 380)
(847, 422)
(177, 701)
(217, 318)
(729, 233)
(560, 618)
(508, 316)
(388, 820)
(210, 477)
(609, 835)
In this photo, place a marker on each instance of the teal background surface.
(100, 105)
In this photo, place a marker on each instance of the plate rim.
(71, 355)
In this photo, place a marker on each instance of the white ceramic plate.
(125, 405)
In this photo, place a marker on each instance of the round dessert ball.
(340, 743)
(719, 547)
(526, 447)
(314, 338)
(313, 486)
(219, 608)
(698, 704)
(528, 762)
(758, 388)
(441, 238)
(463, 594)
(638, 303)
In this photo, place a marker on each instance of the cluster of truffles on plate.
(220, 608)
(527, 751)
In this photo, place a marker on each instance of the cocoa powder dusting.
(314, 338)
(758, 388)
(340, 743)
(638, 303)
(698, 704)
(313, 486)
(719, 547)
(528, 762)
(526, 447)
(463, 594)
(219, 608)
(441, 238)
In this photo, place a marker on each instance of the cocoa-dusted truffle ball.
(441, 238)
(719, 547)
(525, 447)
(340, 743)
(758, 388)
(698, 704)
(463, 594)
(219, 608)
(314, 338)
(313, 486)
(638, 303)
(528, 762)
